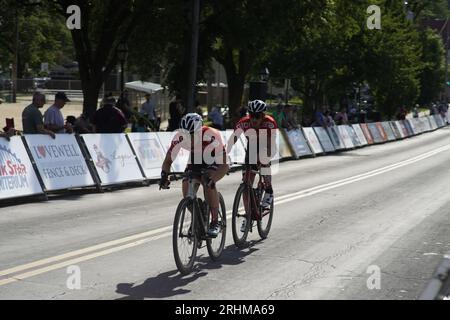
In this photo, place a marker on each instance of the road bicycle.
(248, 207)
(191, 224)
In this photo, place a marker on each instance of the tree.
(393, 60)
(244, 30)
(432, 76)
(320, 50)
(104, 25)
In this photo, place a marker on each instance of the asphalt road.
(383, 208)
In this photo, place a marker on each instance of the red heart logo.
(42, 151)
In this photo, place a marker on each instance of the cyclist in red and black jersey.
(207, 153)
(258, 124)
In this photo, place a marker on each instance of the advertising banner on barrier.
(360, 134)
(336, 138)
(182, 159)
(412, 126)
(353, 136)
(433, 123)
(149, 152)
(346, 139)
(404, 128)
(60, 161)
(388, 130)
(376, 134)
(284, 151)
(397, 130)
(426, 124)
(314, 142)
(298, 143)
(113, 158)
(237, 153)
(17, 176)
(324, 138)
(383, 133)
(408, 127)
(439, 120)
(367, 134)
(417, 125)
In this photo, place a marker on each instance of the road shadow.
(172, 283)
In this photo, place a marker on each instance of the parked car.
(40, 83)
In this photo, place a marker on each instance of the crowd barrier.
(36, 165)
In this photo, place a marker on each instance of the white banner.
(298, 143)
(324, 138)
(60, 161)
(336, 138)
(376, 135)
(390, 133)
(397, 130)
(237, 153)
(314, 142)
(17, 176)
(352, 133)
(426, 124)
(113, 158)
(360, 134)
(433, 123)
(149, 152)
(346, 139)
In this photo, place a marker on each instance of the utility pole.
(192, 77)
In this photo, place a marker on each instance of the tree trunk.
(91, 91)
(235, 91)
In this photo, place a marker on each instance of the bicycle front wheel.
(215, 246)
(184, 238)
(265, 223)
(241, 218)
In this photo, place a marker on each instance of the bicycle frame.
(192, 194)
(255, 209)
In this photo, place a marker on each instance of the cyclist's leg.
(248, 176)
(216, 173)
(267, 179)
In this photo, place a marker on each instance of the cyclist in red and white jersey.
(256, 123)
(207, 152)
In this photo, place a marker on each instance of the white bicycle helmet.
(192, 122)
(257, 106)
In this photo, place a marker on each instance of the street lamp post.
(122, 54)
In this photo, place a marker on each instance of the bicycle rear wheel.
(265, 223)
(241, 215)
(183, 237)
(215, 246)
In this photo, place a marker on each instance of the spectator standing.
(319, 118)
(341, 118)
(148, 109)
(32, 120)
(401, 114)
(53, 117)
(280, 116)
(176, 111)
(109, 119)
(291, 117)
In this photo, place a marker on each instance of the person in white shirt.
(148, 108)
(53, 117)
